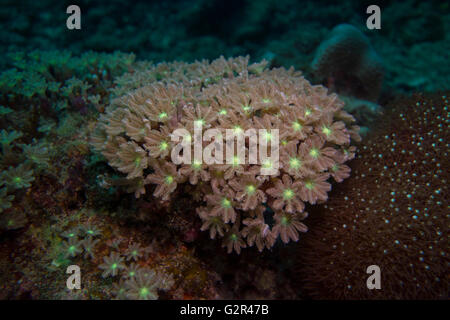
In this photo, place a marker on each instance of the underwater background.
(86, 177)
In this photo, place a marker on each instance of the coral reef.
(134, 136)
(392, 212)
(139, 219)
(41, 87)
(53, 213)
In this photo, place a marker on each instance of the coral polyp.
(230, 150)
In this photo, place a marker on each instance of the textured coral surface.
(62, 203)
(392, 212)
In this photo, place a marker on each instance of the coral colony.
(207, 174)
(134, 135)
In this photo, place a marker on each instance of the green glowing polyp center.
(314, 152)
(288, 194)
(296, 126)
(295, 163)
(226, 203)
(163, 145)
(250, 189)
(144, 292)
(309, 185)
(197, 165)
(162, 115)
(169, 179)
(199, 122)
(267, 164)
(326, 131)
(237, 130)
(137, 161)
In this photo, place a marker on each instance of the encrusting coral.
(349, 64)
(144, 284)
(134, 135)
(392, 212)
(112, 265)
